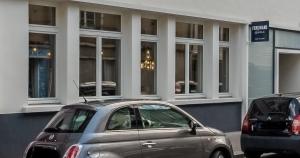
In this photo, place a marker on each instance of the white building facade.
(194, 54)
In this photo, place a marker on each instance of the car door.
(165, 132)
(120, 138)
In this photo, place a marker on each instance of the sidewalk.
(235, 141)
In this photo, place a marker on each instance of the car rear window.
(281, 106)
(70, 121)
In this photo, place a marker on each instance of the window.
(122, 119)
(224, 70)
(87, 77)
(41, 65)
(180, 69)
(195, 68)
(41, 15)
(149, 26)
(111, 67)
(148, 68)
(109, 57)
(159, 116)
(224, 34)
(100, 21)
(70, 121)
(188, 30)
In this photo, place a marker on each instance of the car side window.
(122, 119)
(160, 116)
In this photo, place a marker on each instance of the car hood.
(216, 131)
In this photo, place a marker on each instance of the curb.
(240, 155)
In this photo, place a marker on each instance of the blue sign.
(260, 31)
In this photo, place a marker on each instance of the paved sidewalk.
(235, 141)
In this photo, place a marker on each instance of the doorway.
(287, 71)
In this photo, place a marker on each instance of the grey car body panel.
(171, 142)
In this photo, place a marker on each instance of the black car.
(272, 124)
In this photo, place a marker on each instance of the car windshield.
(70, 121)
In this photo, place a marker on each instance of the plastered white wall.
(13, 55)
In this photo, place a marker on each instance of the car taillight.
(73, 151)
(246, 127)
(296, 125)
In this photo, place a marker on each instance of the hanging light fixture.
(148, 63)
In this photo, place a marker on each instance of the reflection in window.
(195, 67)
(100, 21)
(224, 70)
(180, 69)
(149, 26)
(187, 30)
(87, 77)
(148, 68)
(122, 119)
(158, 116)
(224, 34)
(41, 65)
(110, 67)
(41, 15)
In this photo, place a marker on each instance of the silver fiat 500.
(127, 129)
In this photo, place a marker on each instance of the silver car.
(127, 129)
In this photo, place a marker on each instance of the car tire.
(252, 155)
(218, 154)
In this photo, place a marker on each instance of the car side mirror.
(193, 126)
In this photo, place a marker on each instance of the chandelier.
(148, 63)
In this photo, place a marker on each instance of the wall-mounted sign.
(260, 31)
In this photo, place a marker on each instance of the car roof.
(295, 95)
(113, 103)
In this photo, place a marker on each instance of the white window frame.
(187, 42)
(50, 30)
(226, 44)
(152, 39)
(99, 35)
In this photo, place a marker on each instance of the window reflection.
(195, 67)
(41, 15)
(180, 69)
(87, 77)
(110, 67)
(41, 65)
(224, 70)
(187, 30)
(149, 26)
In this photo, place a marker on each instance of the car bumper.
(266, 144)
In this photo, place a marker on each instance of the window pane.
(87, 74)
(224, 70)
(187, 30)
(111, 67)
(224, 34)
(148, 68)
(100, 21)
(111, 22)
(41, 15)
(195, 67)
(149, 26)
(158, 116)
(41, 65)
(122, 119)
(180, 69)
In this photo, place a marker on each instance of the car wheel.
(218, 154)
(252, 155)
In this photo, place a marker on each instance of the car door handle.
(149, 144)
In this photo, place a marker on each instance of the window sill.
(188, 101)
(190, 96)
(42, 108)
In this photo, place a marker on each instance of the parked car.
(127, 129)
(272, 124)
